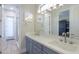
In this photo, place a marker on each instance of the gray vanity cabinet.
(33, 47)
(28, 45)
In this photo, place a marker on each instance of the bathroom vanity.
(34, 47)
(49, 45)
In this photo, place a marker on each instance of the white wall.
(74, 21)
(26, 27)
(54, 23)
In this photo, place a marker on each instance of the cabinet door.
(28, 45)
(36, 47)
(37, 44)
(36, 50)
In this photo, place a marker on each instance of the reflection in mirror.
(64, 23)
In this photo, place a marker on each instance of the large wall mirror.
(64, 22)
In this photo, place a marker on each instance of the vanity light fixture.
(48, 7)
(29, 18)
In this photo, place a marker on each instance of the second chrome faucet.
(65, 36)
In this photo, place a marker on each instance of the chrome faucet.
(65, 35)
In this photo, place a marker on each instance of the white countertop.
(54, 43)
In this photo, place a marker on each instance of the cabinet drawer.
(38, 45)
(49, 51)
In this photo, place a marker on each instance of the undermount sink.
(64, 46)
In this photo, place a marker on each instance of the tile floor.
(9, 47)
